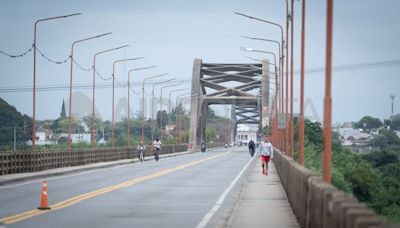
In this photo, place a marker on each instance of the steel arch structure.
(243, 86)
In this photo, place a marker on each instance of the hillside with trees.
(10, 120)
(373, 178)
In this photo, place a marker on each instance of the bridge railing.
(28, 161)
(318, 204)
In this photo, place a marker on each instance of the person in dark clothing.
(252, 147)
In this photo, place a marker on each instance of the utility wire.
(81, 67)
(51, 60)
(17, 56)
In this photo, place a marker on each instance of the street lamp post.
(326, 167)
(176, 115)
(94, 87)
(70, 81)
(286, 147)
(34, 74)
(153, 107)
(161, 104)
(156, 76)
(291, 130)
(129, 109)
(282, 50)
(301, 116)
(169, 112)
(113, 78)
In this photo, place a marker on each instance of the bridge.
(223, 187)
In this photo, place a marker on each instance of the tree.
(368, 122)
(210, 134)
(10, 118)
(164, 118)
(63, 114)
(395, 122)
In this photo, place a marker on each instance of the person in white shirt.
(266, 151)
(156, 148)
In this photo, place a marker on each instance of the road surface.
(174, 192)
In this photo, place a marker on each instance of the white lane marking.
(221, 199)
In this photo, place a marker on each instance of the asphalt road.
(174, 192)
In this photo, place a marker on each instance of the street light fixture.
(113, 77)
(34, 74)
(94, 86)
(70, 81)
(129, 110)
(144, 80)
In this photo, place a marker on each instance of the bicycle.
(156, 153)
(141, 155)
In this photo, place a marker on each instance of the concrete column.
(195, 105)
(265, 115)
(203, 122)
(233, 123)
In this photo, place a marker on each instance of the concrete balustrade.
(318, 204)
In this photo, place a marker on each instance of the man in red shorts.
(266, 151)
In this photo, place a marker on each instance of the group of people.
(266, 152)
(141, 148)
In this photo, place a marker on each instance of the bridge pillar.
(234, 123)
(265, 113)
(195, 106)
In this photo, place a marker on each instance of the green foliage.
(395, 122)
(210, 134)
(372, 178)
(10, 118)
(368, 122)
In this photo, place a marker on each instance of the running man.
(266, 151)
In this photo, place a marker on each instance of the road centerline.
(85, 196)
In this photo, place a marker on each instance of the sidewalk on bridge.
(19, 177)
(260, 202)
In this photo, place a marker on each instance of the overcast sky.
(170, 34)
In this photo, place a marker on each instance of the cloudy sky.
(170, 34)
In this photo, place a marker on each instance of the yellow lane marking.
(74, 200)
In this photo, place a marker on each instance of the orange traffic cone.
(44, 204)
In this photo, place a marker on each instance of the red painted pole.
(326, 168)
(34, 75)
(291, 137)
(94, 87)
(287, 83)
(301, 116)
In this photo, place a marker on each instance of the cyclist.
(141, 148)
(156, 148)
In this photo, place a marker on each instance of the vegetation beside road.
(372, 178)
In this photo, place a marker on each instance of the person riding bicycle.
(156, 148)
(252, 147)
(141, 148)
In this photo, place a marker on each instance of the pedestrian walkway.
(262, 201)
